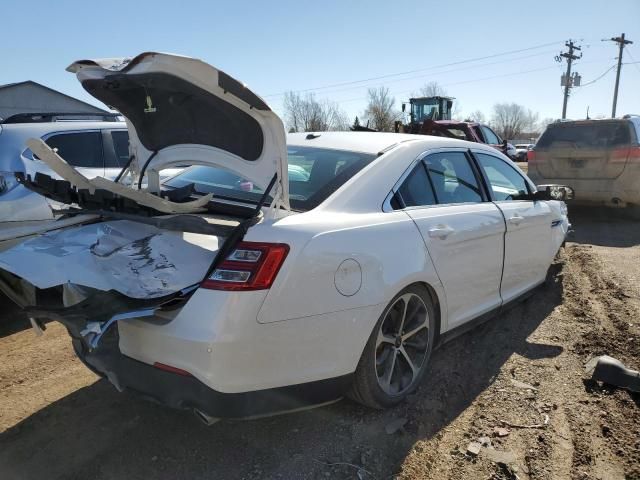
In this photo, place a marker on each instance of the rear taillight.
(250, 266)
(631, 154)
(531, 156)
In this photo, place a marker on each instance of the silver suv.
(97, 147)
(600, 159)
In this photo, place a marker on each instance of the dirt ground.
(518, 380)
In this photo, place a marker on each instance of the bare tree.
(511, 119)
(542, 125)
(456, 110)
(432, 89)
(380, 111)
(306, 114)
(477, 116)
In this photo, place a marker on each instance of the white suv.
(94, 147)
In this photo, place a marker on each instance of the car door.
(463, 232)
(528, 222)
(81, 149)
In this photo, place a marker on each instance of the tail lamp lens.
(250, 266)
(531, 156)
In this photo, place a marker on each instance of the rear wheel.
(396, 355)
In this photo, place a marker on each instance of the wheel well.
(436, 306)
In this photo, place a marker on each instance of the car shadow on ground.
(97, 432)
(12, 319)
(607, 227)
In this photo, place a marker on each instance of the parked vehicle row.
(471, 131)
(522, 150)
(277, 272)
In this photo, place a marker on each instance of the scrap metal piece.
(94, 331)
(152, 201)
(66, 171)
(609, 370)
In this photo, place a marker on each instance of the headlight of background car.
(7, 182)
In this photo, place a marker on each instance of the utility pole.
(567, 80)
(621, 43)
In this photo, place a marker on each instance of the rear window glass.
(588, 135)
(459, 134)
(314, 174)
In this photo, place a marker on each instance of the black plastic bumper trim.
(189, 393)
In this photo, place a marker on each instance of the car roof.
(376, 142)
(365, 142)
(585, 121)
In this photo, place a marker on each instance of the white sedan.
(278, 272)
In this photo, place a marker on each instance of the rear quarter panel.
(385, 253)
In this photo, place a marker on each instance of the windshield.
(425, 109)
(314, 174)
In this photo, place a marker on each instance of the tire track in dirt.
(593, 431)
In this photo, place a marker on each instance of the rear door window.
(587, 135)
(80, 149)
(453, 178)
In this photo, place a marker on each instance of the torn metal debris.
(138, 260)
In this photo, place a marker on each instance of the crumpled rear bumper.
(185, 392)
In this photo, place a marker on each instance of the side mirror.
(404, 106)
(554, 192)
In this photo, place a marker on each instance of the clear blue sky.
(274, 46)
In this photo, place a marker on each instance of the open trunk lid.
(591, 149)
(182, 111)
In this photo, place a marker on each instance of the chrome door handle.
(440, 231)
(516, 219)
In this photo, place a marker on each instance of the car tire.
(396, 355)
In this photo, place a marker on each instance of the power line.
(434, 74)
(380, 77)
(513, 74)
(599, 77)
(634, 63)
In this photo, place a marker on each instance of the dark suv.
(600, 159)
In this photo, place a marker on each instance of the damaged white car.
(277, 273)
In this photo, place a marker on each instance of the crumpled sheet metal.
(134, 259)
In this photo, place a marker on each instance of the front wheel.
(396, 355)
